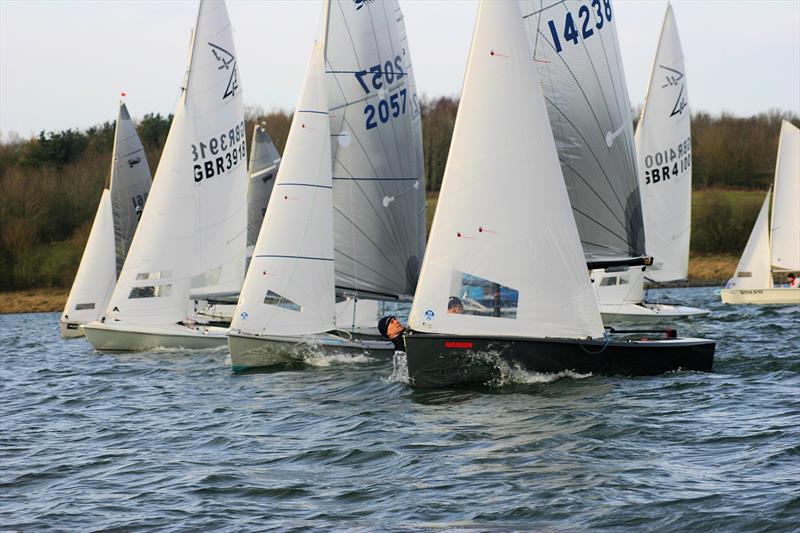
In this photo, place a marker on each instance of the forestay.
(193, 228)
(503, 239)
(786, 201)
(577, 55)
(664, 155)
(376, 142)
(263, 167)
(96, 274)
(753, 270)
(289, 285)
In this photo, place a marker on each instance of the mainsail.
(289, 285)
(506, 247)
(576, 52)
(753, 271)
(664, 154)
(191, 239)
(785, 227)
(114, 224)
(263, 167)
(376, 141)
(129, 184)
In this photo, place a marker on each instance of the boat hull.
(441, 360)
(649, 313)
(69, 329)
(261, 351)
(777, 296)
(135, 338)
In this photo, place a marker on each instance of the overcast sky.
(63, 64)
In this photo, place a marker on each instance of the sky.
(63, 64)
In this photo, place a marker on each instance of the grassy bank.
(33, 301)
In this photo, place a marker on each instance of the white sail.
(503, 224)
(97, 272)
(379, 192)
(263, 167)
(129, 184)
(191, 238)
(753, 270)
(663, 150)
(577, 55)
(289, 285)
(785, 229)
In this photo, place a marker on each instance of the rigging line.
(378, 248)
(612, 232)
(589, 148)
(378, 273)
(588, 184)
(542, 9)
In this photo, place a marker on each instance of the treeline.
(51, 184)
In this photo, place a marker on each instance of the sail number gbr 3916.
(588, 22)
(219, 153)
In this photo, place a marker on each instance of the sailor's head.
(454, 306)
(390, 327)
(790, 277)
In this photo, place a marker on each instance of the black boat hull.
(436, 360)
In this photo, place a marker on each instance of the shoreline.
(704, 271)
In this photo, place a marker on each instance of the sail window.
(744, 274)
(482, 297)
(83, 307)
(273, 298)
(607, 282)
(154, 275)
(151, 291)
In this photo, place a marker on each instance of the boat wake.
(399, 369)
(506, 374)
(328, 359)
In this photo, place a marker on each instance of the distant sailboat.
(358, 113)
(663, 150)
(263, 167)
(775, 247)
(190, 244)
(114, 224)
(514, 240)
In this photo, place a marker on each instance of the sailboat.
(773, 248)
(190, 244)
(362, 239)
(514, 238)
(263, 167)
(663, 153)
(118, 213)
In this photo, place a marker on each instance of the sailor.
(792, 280)
(392, 329)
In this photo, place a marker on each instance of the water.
(174, 441)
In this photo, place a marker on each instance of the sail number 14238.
(589, 20)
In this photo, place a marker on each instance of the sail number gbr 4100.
(390, 104)
(219, 153)
(669, 163)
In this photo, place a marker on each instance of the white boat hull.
(777, 295)
(70, 329)
(648, 312)
(133, 337)
(256, 351)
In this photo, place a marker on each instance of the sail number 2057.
(390, 104)
(588, 20)
(219, 154)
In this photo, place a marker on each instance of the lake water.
(174, 441)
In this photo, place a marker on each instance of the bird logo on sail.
(673, 78)
(226, 61)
